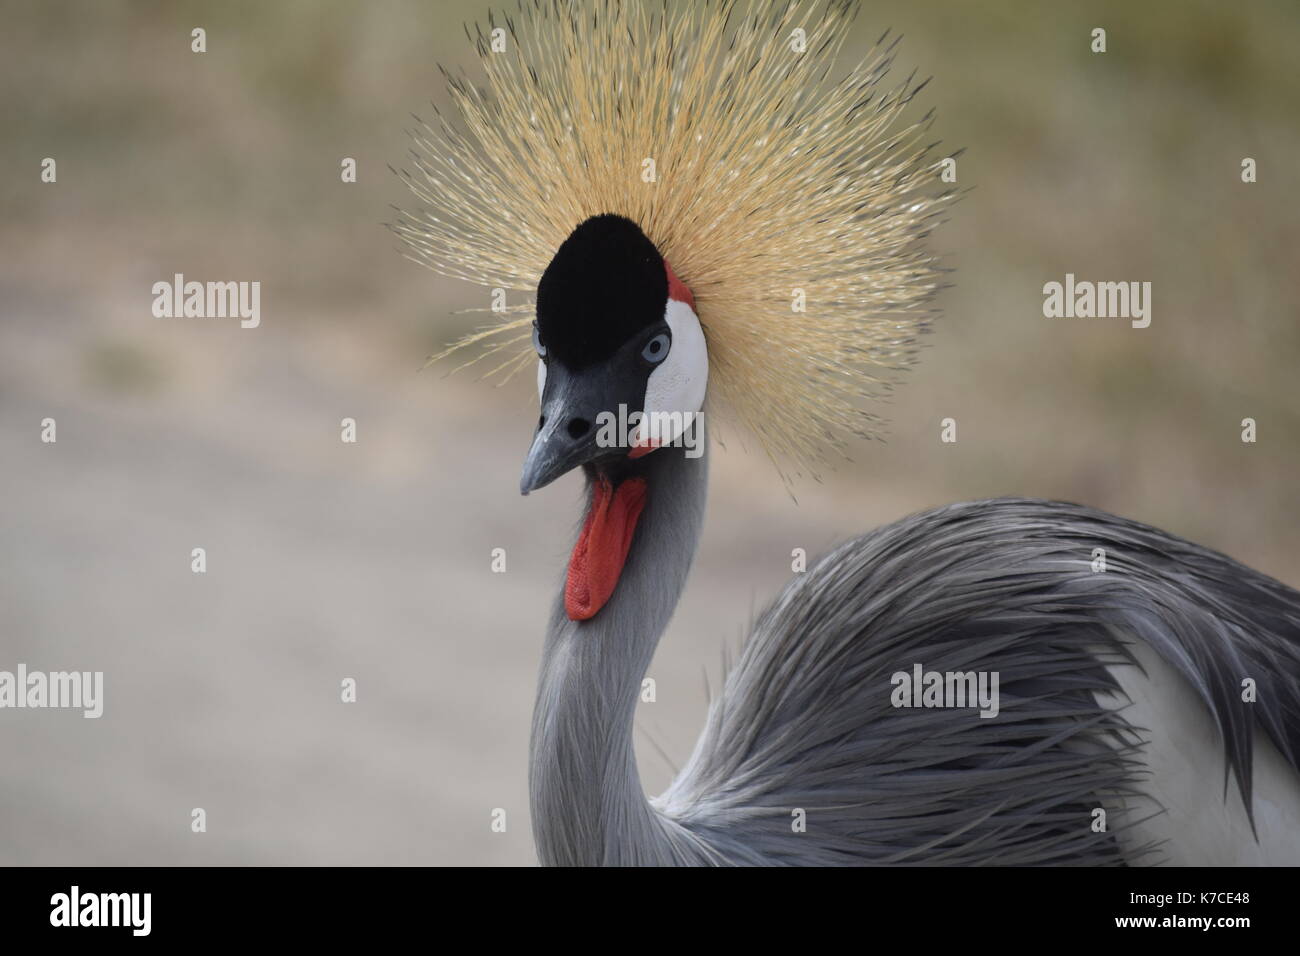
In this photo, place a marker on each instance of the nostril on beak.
(578, 427)
(540, 422)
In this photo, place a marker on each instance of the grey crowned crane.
(662, 178)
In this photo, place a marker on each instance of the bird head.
(796, 204)
(622, 366)
(622, 370)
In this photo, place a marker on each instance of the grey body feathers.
(805, 722)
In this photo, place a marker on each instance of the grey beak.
(566, 436)
(554, 452)
(572, 405)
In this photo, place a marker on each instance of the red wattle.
(602, 547)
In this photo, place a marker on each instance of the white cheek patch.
(676, 387)
(541, 378)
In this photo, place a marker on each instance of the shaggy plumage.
(805, 718)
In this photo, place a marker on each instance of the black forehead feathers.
(605, 285)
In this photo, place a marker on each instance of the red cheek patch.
(677, 289)
(643, 448)
(601, 551)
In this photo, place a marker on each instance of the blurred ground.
(371, 561)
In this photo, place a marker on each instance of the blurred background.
(372, 561)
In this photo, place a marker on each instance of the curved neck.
(588, 807)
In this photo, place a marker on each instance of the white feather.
(677, 386)
(1185, 799)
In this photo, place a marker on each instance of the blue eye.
(537, 342)
(657, 348)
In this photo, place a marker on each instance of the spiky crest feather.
(770, 178)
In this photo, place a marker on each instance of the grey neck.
(588, 808)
